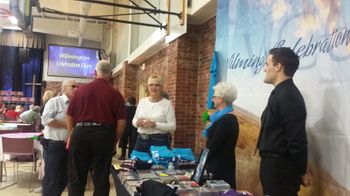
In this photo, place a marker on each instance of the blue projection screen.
(72, 61)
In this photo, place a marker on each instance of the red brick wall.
(125, 80)
(52, 85)
(186, 88)
(130, 80)
(178, 65)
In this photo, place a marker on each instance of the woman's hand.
(140, 122)
(148, 124)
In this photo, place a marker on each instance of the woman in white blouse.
(154, 117)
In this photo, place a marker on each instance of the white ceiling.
(75, 27)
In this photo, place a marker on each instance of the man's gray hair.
(31, 106)
(36, 108)
(227, 91)
(67, 83)
(104, 67)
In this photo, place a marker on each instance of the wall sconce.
(143, 66)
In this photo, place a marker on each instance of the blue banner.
(319, 32)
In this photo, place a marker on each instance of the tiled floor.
(22, 187)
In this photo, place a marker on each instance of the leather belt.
(88, 124)
(149, 136)
(56, 141)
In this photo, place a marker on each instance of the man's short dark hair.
(287, 57)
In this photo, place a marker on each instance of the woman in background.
(46, 97)
(154, 117)
(130, 132)
(222, 135)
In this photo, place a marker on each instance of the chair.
(22, 151)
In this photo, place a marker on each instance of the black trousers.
(132, 143)
(279, 177)
(124, 141)
(91, 149)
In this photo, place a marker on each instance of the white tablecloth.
(10, 126)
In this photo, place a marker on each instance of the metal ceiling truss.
(135, 6)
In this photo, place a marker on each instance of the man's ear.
(278, 67)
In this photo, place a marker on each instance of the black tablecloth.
(119, 188)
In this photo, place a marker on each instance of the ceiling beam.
(52, 11)
(155, 11)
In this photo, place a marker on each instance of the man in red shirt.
(11, 114)
(96, 120)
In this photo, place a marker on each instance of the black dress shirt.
(282, 132)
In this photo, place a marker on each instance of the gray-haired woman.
(222, 135)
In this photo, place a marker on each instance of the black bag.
(155, 188)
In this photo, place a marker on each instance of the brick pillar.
(130, 80)
(186, 88)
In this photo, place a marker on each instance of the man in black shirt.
(282, 141)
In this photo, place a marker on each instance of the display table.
(126, 182)
(11, 127)
(8, 126)
(119, 188)
(37, 145)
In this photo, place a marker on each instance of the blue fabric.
(10, 69)
(161, 155)
(15, 75)
(33, 67)
(143, 156)
(184, 154)
(213, 66)
(215, 117)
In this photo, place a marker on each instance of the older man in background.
(54, 142)
(32, 117)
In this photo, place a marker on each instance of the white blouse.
(161, 112)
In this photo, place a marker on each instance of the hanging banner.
(319, 32)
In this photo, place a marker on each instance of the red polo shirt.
(12, 115)
(98, 102)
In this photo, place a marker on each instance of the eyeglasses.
(75, 86)
(156, 85)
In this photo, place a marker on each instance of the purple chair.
(21, 150)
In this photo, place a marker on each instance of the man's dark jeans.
(56, 171)
(145, 141)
